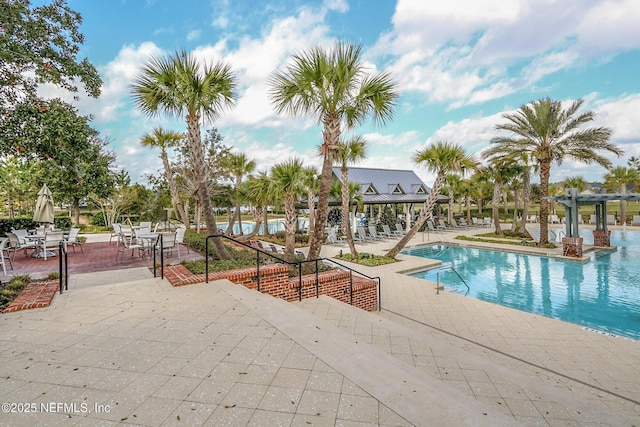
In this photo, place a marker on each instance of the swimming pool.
(602, 293)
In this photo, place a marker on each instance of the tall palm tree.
(238, 165)
(549, 133)
(442, 158)
(452, 186)
(163, 139)
(332, 86)
(617, 180)
(288, 182)
(501, 171)
(180, 86)
(349, 151)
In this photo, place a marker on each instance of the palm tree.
(180, 86)
(238, 165)
(501, 171)
(452, 185)
(441, 158)
(350, 151)
(617, 180)
(548, 133)
(576, 182)
(332, 86)
(163, 139)
(287, 177)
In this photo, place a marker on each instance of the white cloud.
(193, 35)
(465, 51)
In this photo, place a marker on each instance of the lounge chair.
(432, 228)
(333, 239)
(390, 234)
(635, 220)
(611, 220)
(532, 218)
(362, 234)
(373, 232)
(454, 224)
(399, 229)
(441, 225)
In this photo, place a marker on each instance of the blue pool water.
(602, 293)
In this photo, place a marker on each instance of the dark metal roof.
(381, 186)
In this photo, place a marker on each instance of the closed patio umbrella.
(44, 206)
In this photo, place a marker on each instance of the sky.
(459, 66)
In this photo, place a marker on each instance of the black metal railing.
(295, 264)
(63, 259)
(155, 250)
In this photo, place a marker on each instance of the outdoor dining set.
(39, 243)
(142, 239)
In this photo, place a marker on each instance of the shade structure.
(44, 206)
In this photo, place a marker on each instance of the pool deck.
(137, 351)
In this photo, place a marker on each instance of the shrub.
(370, 260)
(12, 289)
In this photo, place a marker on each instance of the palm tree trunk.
(425, 214)
(346, 214)
(257, 217)
(450, 209)
(514, 222)
(545, 168)
(468, 202)
(290, 220)
(331, 134)
(200, 172)
(623, 205)
(495, 207)
(526, 195)
(173, 190)
(311, 203)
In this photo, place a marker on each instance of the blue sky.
(459, 66)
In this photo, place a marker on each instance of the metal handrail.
(62, 249)
(298, 263)
(452, 268)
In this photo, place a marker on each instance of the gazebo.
(572, 243)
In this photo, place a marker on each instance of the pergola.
(571, 200)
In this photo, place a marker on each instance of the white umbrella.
(44, 206)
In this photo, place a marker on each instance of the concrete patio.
(136, 351)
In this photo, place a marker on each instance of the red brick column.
(602, 238)
(572, 246)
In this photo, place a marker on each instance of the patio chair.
(115, 232)
(390, 234)
(333, 239)
(145, 239)
(441, 225)
(3, 246)
(73, 239)
(611, 220)
(399, 229)
(464, 223)
(373, 232)
(454, 224)
(363, 234)
(128, 243)
(432, 228)
(169, 243)
(635, 220)
(145, 224)
(275, 250)
(15, 245)
(180, 231)
(51, 242)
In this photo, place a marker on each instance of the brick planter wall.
(572, 246)
(275, 281)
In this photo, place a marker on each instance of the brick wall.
(275, 281)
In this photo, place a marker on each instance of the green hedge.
(6, 224)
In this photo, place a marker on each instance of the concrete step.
(506, 385)
(404, 389)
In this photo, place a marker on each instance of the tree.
(549, 133)
(576, 182)
(41, 45)
(180, 86)
(287, 177)
(617, 180)
(312, 184)
(452, 185)
(501, 171)
(238, 165)
(442, 158)
(349, 151)
(332, 86)
(163, 139)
